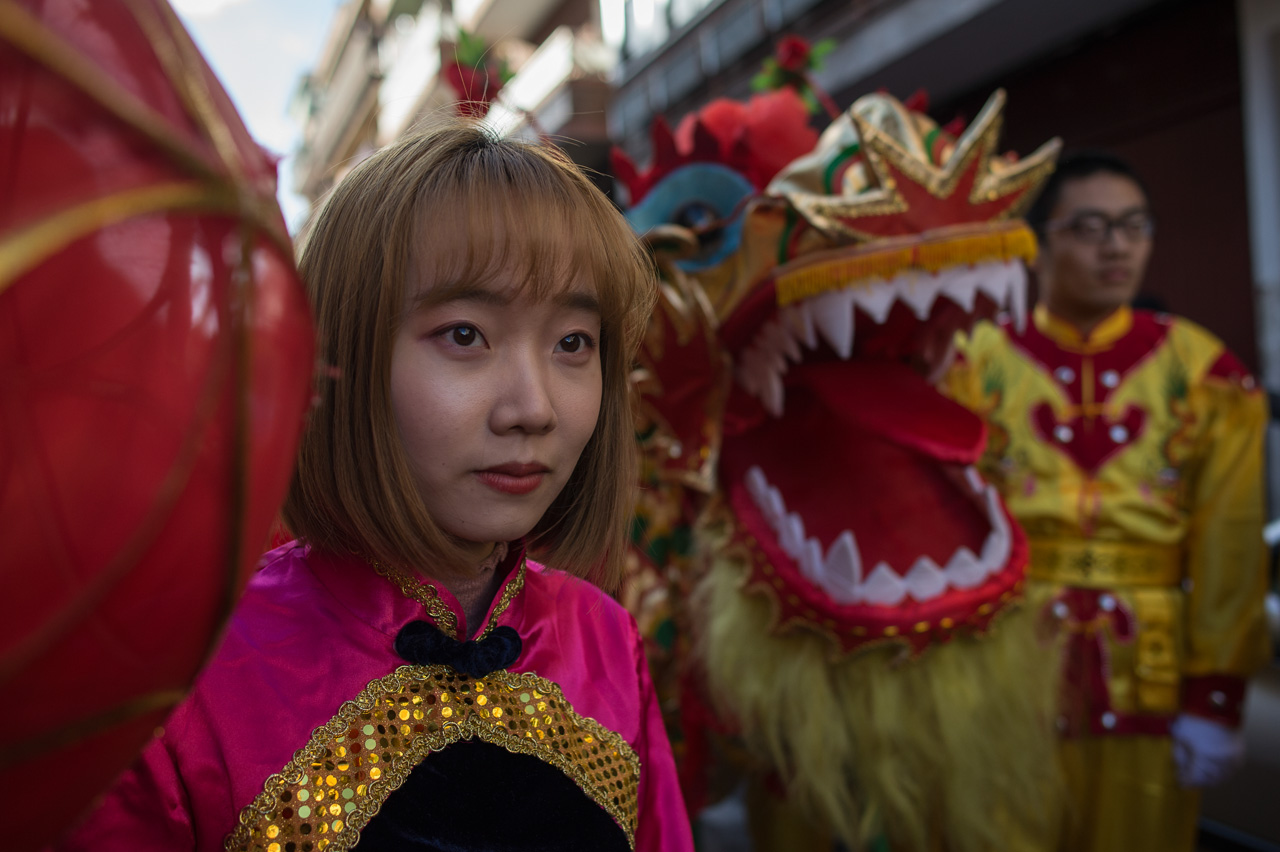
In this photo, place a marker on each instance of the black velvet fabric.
(422, 643)
(477, 797)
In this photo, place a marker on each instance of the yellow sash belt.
(1104, 564)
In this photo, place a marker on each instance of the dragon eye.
(703, 198)
(695, 214)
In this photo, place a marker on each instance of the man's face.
(1096, 247)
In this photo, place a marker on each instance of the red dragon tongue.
(893, 402)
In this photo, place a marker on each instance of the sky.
(260, 49)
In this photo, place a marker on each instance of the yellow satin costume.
(1133, 459)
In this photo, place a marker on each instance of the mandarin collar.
(387, 598)
(1066, 335)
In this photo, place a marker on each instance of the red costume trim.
(1228, 368)
(1216, 697)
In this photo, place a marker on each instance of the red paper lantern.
(155, 361)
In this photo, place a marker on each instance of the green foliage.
(819, 52)
(773, 76)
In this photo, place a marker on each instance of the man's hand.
(1207, 752)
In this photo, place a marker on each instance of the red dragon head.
(794, 374)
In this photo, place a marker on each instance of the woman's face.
(495, 395)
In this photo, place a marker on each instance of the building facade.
(385, 70)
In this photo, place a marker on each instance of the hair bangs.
(499, 216)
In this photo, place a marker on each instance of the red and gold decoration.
(852, 573)
(757, 139)
(155, 366)
(792, 67)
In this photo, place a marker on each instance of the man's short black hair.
(1077, 166)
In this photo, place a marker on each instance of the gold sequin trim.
(336, 783)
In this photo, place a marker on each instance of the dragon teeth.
(831, 317)
(833, 314)
(876, 301)
(840, 572)
(925, 580)
(883, 586)
(964, 570)
(842, 569)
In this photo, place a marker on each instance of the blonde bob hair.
(423, 218)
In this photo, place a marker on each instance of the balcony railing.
(539, 87)
(411, 57)
(498, 19)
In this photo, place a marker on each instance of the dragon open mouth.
(867, 485)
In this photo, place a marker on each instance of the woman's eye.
(463, 335)
(574, 342)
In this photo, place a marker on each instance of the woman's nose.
(525, 402)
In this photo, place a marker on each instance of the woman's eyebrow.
(579, 300)
(573, 299)
(429, 297)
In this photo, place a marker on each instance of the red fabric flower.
(793, 54)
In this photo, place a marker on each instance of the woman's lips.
(513, 478)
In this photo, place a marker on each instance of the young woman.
(404, 676)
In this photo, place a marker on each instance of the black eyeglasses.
(1095, 228)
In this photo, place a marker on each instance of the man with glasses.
(1128, 444)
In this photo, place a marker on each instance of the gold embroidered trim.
(423, 593)
(514, 586)
(336, 783)
(1094, 564)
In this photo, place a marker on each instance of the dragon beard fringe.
(955, 744)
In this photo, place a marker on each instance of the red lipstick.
(513, 478)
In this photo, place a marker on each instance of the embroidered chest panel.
(1123, 413)
(1100, 402)
(1097, 436)
(336, 783)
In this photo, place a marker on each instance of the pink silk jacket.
(306, 719)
